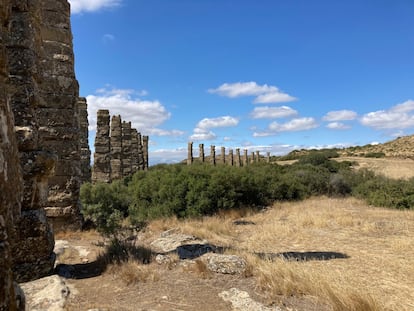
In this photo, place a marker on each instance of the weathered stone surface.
(225, 264)
(85, 152)
(201, 153)
(116, 148)
(32, 256)
(63, 136)
(169, 242)
(126, 148)
(11, 183)
(213, 155)
(46, 294)
(101, 166)
(145, 142)
(245, 158)
(238, 158)
(190, 158)
(135, 149)
(241, 301)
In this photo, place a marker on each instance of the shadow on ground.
(302, 256)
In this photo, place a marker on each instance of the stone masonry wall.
(120, 150)
(58, 114)
(85, 152)
(33, 254)
(11, 182)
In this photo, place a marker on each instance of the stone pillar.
(141, 163)
(223, 155)
(11, 182)
(213, 155)
(190, 153)
(101, 171)
(201, 152)
(238, 159)
(145, 141)
(85, 152)
(257, 156)
(231, 160)
(32, 257)
(116, 148)
(126, 148)
(253, 159)
(245, 158)
(135, 141)
(268, 157)
(58, 114)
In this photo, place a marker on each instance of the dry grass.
(379, 243)
(390, 167)
(132, 272)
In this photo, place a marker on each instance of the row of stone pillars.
(120, 150)
(229, 159)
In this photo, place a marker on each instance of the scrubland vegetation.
(201, 189)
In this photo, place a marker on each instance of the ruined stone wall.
(33, 256)
(58, 114)
(120, 150)
(230, 159)
(85, 152)
(11, 182)
(101, 164)
(116, 148)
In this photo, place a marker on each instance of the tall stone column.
(190, 153)
(58, 114)
(223, 155)
(32, 256)
(253, 158)
(231, 160)
(238, 159)
(116, 148)
(145, 141)
(11, 182)
(135, 141)
(126, 148)
(85, 152)
(245, 158)
(257, 156)
(141, 163)
(268, 157)
(201, 152)
(213, 155)
(101, 171)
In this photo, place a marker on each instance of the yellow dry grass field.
(377, 273)
(389, 167)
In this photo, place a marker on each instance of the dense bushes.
(202, 189)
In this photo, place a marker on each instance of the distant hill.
(401, 147)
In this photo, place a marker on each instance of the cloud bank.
(145, 115)
(202, 130)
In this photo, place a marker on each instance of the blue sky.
(266, 75)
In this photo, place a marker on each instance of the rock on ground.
(241, 301)
(46, 294)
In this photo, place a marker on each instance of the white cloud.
(273, 112)
(144, 115)
(294, 125)
(202, 129)
(225, 121)
(400, 116)
(299, 124)
(80, 6)
(340, 115)
(265, 94)
(338, 126)
(202, 134)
